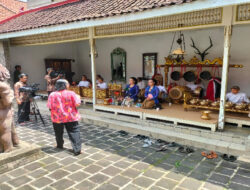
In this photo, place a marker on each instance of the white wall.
(31, 58)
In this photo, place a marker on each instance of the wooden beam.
(227, 44)
(93, 63)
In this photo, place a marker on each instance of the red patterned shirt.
(63, 106)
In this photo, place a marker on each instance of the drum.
(175, 75)
(190, 76)
(177, 93)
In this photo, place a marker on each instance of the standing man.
(63, 105)
(50, 81)
(23, 99)
(17, 72)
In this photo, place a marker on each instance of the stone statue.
(8, 136)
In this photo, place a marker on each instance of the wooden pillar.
(227, 44)
(93, 63)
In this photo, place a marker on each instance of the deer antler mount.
(204, 53)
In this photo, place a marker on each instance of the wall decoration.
(118, 64)
(149, 64)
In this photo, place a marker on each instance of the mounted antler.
(204, 53)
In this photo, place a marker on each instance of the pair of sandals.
(229, 158)
(210, 155)
(165, 145)
(141, 137)
(123, 133)
(185, 150)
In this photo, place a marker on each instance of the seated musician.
(140, 83)
(97, 78)
(196, 86)
(162, 91)
(101, 84)
(84, 82)
(237, 97)
(151, 95)
(132, 90)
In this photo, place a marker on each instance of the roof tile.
(80, 10)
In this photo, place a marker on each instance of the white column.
(227, 44)
(93, 64)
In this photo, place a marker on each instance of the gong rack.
(194, 62)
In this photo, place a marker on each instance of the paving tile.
(132, 187)
(72, 167)
(41, 182)
(107, 186)
(131, 173)
(62, 184)
(86, 162)
(153, 174)
(211, 186)
(243, 172)
(241, 180)
(58, 174)
(17, 182)
(52, 167)
(78, 176)
(122, 164)
(219, 178)
(93, 169)
(33, 166)
(119, 181)
(38, 173)
(156, 188)
(141, 166)
(26, 187)
(18, 172)
(191, 184)
(86, 185)
(198, 176)
(4, 178)
(224, 171)
(229, 165)
(104, 163)
(167, 183)
(143, 182)
(5, 187)
(98, 178)
(237, 186)
(111, 171)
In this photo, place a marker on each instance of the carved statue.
(204, 53)
(8, 136)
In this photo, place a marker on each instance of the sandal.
(172, 144)
(182, 149)
(189, 150)
(232, 158)
(214, 155)
(225, 157)
(204, 154)
(162, 149)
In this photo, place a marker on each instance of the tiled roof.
(9, 8)
(78, 10)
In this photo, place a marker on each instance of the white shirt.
(83, 84)
(97, 82)
(237, 98)
(162, 88)
(193, 86)
(102, 85)
(141, 85)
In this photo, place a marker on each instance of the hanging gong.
(205, 75)
(190, 76)
(175, 75)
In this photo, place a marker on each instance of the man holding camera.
(50, 81)
(23, 99)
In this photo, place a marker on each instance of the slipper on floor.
(225, 157)
(181, 149)
(162, 149)
(189, 150)
(172, 144)
(232, 158)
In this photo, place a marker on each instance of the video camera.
(31, 89)
(55, 74)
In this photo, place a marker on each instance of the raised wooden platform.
(173, 114)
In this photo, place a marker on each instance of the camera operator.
(23, 99)
(50, 81)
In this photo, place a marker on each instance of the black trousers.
(23, 112)
(73, 130)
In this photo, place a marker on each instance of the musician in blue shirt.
(132, 89)
(151, 95)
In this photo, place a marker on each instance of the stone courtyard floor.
(110, 161)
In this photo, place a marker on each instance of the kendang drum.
(190, 76)
(177, 93)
